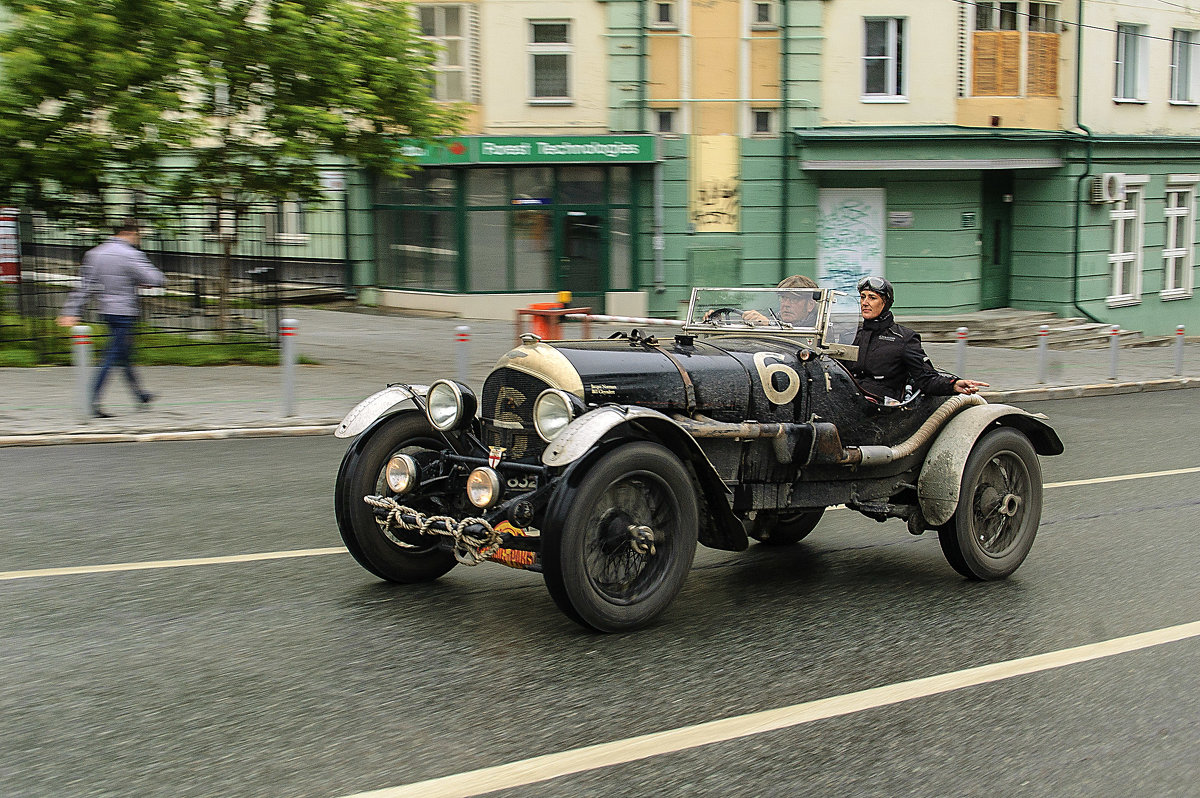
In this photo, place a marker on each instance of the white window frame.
(442, 39)
(770, 115)
(1133, 207)
(657, 9)
(1185, 60)
(549, 48)
(284, 223)
(1181, 254)
(671, 115)
(894, 59)
(1130, 37)
(757, 7)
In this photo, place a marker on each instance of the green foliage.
(95, 94)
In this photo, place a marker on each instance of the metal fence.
(278, 253)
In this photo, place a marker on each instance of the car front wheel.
(999, 507)
(627, 541)
(392, 554)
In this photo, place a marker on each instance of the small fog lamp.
(401, 473)
(483, 487)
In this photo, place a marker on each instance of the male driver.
(114, 271)
(797, 307)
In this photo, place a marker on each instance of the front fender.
(721, 529)
(377, 405)
(941, 475)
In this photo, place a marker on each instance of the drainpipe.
(657, 243)
(784, 140)
(1087, 169)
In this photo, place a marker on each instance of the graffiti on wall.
(714, 185)
(849, 236)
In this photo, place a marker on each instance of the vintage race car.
(601, 463)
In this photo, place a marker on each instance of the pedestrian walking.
(113, 272)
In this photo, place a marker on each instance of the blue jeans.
(118, 353)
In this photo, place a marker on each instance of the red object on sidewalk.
(545, 325)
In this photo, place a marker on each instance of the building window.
(762, 123)
(1125, 254)
(446, 25)
(284, 223)
(883, 59)
(664, 120)
(1130, 63)
(550, 61)
(1179, 248)
(1183, 66)
(764, 15)
(664, 14)
(1004, 31)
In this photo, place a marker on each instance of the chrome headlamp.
(553, 410)
(483, 487)
(401, 473)
(450, 405)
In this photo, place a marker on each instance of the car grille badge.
(495, 455)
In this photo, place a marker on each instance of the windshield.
(820, 313)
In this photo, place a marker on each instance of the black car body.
(601, 463)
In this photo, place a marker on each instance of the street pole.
(1114, 345)
(462, 338)
(1043, 345)
(962, 351)
(81, 357)
(287, 359)
(1179, 351)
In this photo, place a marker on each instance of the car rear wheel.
(999, 507)
(627, 541)
(784, 528)
(395, 555)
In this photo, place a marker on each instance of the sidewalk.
(360, 352)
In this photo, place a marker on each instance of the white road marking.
(577, 760)
(283, 555)
(1122, 478)
(155, 564)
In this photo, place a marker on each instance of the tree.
(97, 94)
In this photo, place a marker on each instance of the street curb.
(327, 428)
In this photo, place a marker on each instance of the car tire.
(784, 528)
(999, 507)
(396, 556)
(592, 567)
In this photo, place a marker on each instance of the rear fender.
(377, 405)
(577, 445)
(941, 475)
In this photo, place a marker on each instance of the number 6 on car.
(601, 464)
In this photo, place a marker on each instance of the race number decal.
(767, 372)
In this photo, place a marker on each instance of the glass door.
(582, 257)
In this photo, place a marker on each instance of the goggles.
(876, 284)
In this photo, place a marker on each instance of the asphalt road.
(305, 676)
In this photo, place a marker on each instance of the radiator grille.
(508, 397)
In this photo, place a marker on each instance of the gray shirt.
(113, 271)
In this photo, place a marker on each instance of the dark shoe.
(145, 398)
(98, 413)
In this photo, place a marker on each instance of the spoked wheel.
(395, 555)
(999, 507)
(627, 543)
(784, 528)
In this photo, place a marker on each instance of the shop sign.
(533, 149)
(10, 246)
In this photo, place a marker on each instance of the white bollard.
(287, 360)
(1043, 346)
(961, 334)
(462, 340)
(1114, 346)
(81, 358)
(1179, 351)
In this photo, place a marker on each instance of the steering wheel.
(719, 315)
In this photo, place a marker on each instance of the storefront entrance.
(582, 257)
(996, 238)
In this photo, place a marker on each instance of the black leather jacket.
(890, 355)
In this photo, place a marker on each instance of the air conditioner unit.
(1108, 187)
